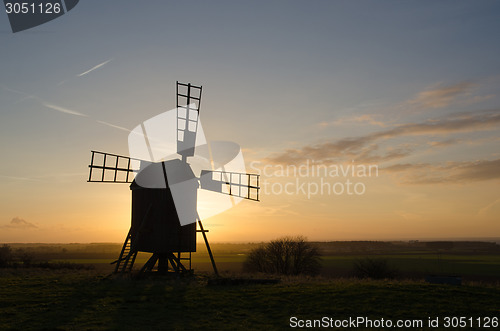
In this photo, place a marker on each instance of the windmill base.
(167, 262)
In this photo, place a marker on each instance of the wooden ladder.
(127, 257)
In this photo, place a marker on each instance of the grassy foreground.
(87, 300)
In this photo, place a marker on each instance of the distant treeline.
(410, 247)
(22, 257)
(111, 250)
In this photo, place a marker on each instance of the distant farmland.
(415, 260)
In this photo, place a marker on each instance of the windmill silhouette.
(165, 188)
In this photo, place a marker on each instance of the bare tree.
(284, 256)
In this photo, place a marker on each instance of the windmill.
(162, 172)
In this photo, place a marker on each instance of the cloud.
(364, 148)
(462, 122)
(443, 143)
(94, 68)
(489, 207)
(406, 167)
(480, 98)
(367, 155)
(409, 216)
(63, 110)
(361, 119)
(443, 96)
(450, 172)
(19, 223)
(478, 170)
(342, 150)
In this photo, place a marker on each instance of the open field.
(61, 299)
(470, 260)
(472, 267)
(36, 298)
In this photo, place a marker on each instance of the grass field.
(87, 300)
(81, 299)
(467, 266)
(473, 267)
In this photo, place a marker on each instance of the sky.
(409, 88)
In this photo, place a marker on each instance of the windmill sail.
(241, 185)
(188, 108)
(111, 168)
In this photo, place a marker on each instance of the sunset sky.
(411, 87)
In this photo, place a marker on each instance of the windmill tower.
(165, 192)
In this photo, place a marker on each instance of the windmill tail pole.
(208, 245)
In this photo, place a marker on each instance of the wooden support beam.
(208, 245)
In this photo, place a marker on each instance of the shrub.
(24, 256)
(5, 255)
(284, 256)
(374, 268)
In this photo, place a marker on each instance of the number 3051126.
(31, 8)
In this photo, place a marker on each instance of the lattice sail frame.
(111, 168)
(188, 113)
(241, 185)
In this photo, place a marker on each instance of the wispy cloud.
(364, 148)
(19, 223)
(461, 122)
(442, 96)
(444, 143)
(94, 68)
(450, 172)
(401, 167)
(361, 119)
(489, 207)
(62, 109)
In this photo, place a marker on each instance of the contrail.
(44, 103)
(113, 126)
(26, 96)
(63, 110)
(20, 178)
(94, 68)
(12, 90)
